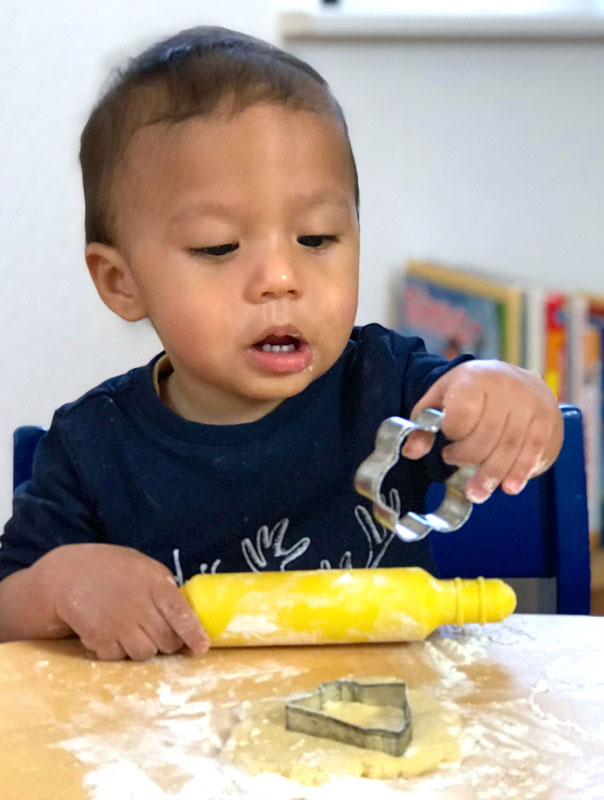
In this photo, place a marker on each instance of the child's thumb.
(418, 444)
(433, 398)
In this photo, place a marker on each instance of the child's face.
(242, 241)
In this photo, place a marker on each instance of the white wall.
(58, 339)
(487, 154)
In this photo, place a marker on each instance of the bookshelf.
(557, 334)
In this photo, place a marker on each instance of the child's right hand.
(119, 601)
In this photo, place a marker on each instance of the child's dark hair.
(190, 74)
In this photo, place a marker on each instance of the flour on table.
(517, 745)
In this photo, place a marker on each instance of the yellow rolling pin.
(337, 606)
(357, 605)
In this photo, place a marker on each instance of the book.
(534, 327)
(596, 319)
(555, 370)
(584, 358)
(456, 310)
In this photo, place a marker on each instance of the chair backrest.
(25, 441)
(538, 541)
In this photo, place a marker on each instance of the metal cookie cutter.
(304, 714)
(455, 507)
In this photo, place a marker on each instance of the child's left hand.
(500, 417)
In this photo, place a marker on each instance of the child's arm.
(498, 416)
(117, 600)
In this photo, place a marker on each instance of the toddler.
(222, 204)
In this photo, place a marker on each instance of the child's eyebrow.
(212, 208)
(328, 198)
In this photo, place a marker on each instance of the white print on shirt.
(203, 568)
(268, 554)
(345, 562)
(178, 577)
(270, 543)
(381, 537)
(377, 537)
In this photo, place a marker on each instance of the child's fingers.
(105, 650)
(182, 619)
(113, 643)
(494, 468)
(417, 444)
(138, 645)
(463, 408)
(479, 444)
(531, 460)
(161, 632)
(459, 398)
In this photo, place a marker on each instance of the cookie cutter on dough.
(304, 714)
(455, 507)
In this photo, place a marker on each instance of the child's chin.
(279, 388)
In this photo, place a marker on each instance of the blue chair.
(25, 441)
(538, 541)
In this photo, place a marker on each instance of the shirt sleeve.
(51, 509)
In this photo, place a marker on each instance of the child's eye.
(316, 242)
(216, 250)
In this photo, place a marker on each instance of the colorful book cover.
(555, 372)
(596, 317)
(456, 311)
(585, 391)
(591, 406)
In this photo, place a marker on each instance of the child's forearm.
(25, 609)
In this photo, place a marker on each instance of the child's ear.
(114, 281)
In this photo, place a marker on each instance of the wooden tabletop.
(530, 692)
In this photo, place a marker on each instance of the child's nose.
(274, 278)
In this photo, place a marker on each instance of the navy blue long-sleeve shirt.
(117, 466)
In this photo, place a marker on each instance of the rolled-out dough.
(261, 743)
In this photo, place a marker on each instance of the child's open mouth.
(278, 344)
(281, 353)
